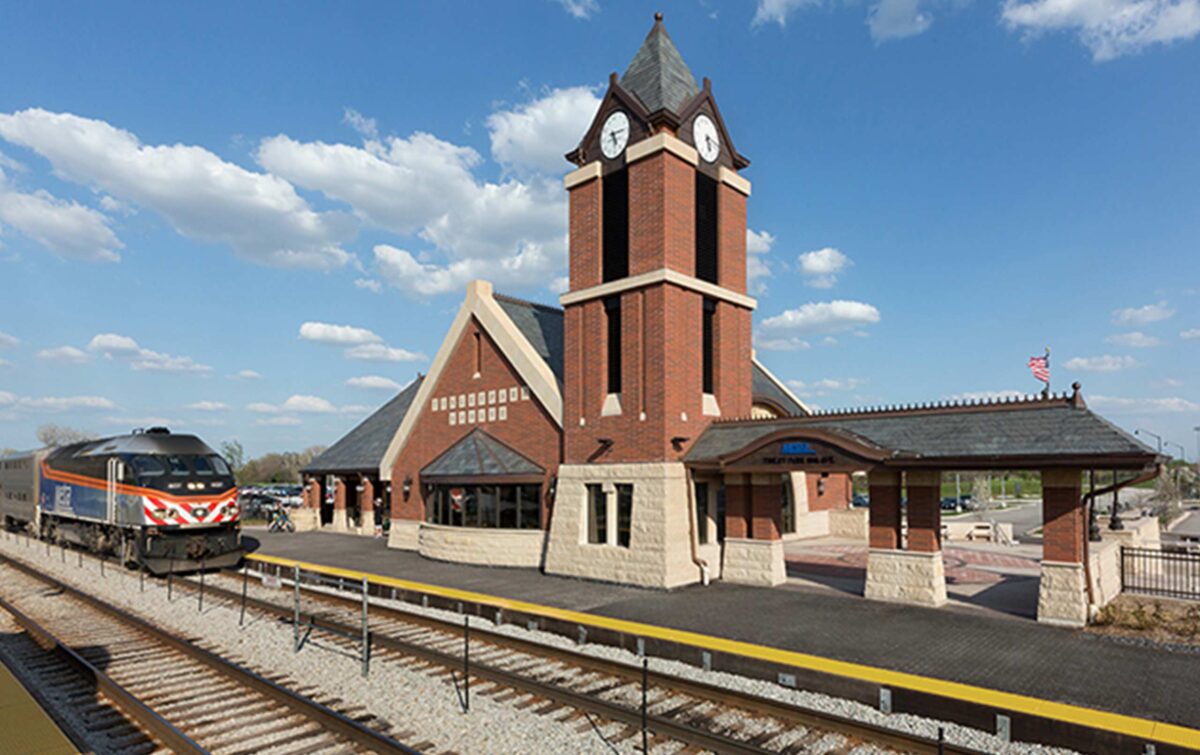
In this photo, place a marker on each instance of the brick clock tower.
(658, 331)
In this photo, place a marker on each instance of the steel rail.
(327, 717)
(143, 715)
(777, 709)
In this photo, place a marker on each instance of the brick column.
(339, 504)
(766, 507)
(924, 511)
(737, 507)
(1062, 591)
(885, 509)
(366, 508)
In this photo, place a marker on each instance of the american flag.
(1040, 367)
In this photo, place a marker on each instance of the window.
(720, 513)
(702, 512)
(220, 466)
(488, 512)
(530, 516)
(202, 465)
(597, 515)
(706, 228)
(485, 506)
(788, 511)
(478, 355)
(624, 514)
(709, 315)
(178, 465)
(615, 232)
(508, 506)
(148, 466)
(612, 313)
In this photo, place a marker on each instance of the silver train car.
(168, 502)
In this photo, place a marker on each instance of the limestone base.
(912, 577)
(753, 562)
(305, 520)
(487, 547)
(1062, 595)
(340, 521)
(404, 535)
(659, 552)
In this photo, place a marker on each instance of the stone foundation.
(305, 519)
(487, 547)
(340, 521)
(404, 535)
(910, 577)
(753, 562)
(659, 552)
(1062, 595)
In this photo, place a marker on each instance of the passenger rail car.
(166, 501)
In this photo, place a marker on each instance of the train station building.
(631, 435)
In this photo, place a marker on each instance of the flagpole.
(1046, 390)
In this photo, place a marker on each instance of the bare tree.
(233, 453)
(59, 435)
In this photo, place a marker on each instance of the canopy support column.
(754, 557)
(340, 522)
(366, 507)
(1062, 592)
(916, 576)
(308, 516)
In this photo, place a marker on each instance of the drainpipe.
(694, 529)
(1090, 499)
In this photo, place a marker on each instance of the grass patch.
(1173, 621)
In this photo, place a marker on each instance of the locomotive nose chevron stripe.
(199, 512)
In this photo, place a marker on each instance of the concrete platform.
(952, 643)
(24, 727)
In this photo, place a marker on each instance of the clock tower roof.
(657, 73)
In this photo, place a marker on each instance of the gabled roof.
(766, 387)
(657, 73)
(361, 449)
(478, 454)
(1050, 431)
(541, 325)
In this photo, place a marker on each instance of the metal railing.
(1168, 574)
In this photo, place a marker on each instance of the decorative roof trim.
(779, 383)
(529, 365)
(662, 275)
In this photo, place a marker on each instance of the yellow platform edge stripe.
(1132, 726)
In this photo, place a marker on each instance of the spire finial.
(658, 16)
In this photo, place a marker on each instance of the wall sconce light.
(821, 486)
(552, 488)
(678, 441)
(407, 488)
(605, 442)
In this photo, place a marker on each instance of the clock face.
(614, 135)
(706, 138)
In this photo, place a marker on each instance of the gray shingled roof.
(657, 73)
(1049, 429)
(541, 325)
(763, 387)
(478, 454)
(362, 449)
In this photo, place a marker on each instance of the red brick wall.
(766, 511)
(528, 429)
(885, 516)
(1064, 524)
(585, 239)
(737, 510)
(838, 490)
(662, 215)
(924, 518)
(731, 209)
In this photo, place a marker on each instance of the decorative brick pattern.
(924, 518)
(1064, 520)
(885, 510)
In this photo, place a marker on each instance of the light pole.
(1182, 450)
(1152, 435)
(1197, 429)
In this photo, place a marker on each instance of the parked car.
(859, 501)
(950, 503)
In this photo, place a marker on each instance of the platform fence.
(1162, 573)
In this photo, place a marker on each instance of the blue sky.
(941, 189)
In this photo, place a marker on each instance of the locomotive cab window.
(178, 465)
(220, 465)
(148, 466)
(202, 465)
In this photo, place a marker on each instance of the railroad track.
(147, 690)
(701, 716)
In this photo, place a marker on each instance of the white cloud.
(202, 196)
(581, 9)
(1135, 340)
(116, 346)
(303, 404)
(247, 375)
(365, 126)
(7, 341)
(62, 403)
(408, 274)
(278, 422)
(985, 395)
(824, 317)
(323, 332)
(1108, 28)
(208, 406)
(537, 134)
(821, 267)
(1143, 315)
(758, 244)
(64, 355)
(777, 11)
(143, 421)
(1190, 335)
(1169, 383)
(780, 344)
(66, 228)
(374, 382)
(897, 19)
(824, 386)
(7, 399)
(308, 404)
(1155, 405)
(108, 204)
(378, 352)
(5, 363)
(1105, 363)
(369, 284)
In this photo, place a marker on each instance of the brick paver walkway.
(850, 562)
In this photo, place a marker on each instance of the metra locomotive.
(166, 501)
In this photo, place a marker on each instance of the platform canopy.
(1021, 433)
(478, 457)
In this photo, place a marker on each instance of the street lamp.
(1182, 450)
(1152, 435)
